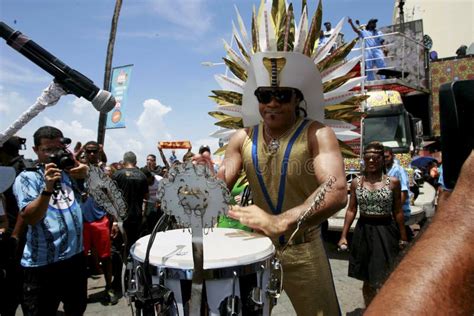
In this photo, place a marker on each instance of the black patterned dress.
(375, 240)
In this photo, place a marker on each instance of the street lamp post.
(108, 68)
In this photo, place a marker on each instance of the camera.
(63, 158)
(456, 116)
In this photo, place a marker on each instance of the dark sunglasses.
(374, 157)
(92, 151)
(281, 95)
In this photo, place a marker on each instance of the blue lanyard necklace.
(284, 168)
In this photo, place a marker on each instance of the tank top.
(376, 202)
(277, 186)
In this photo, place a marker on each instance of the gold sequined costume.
(307, 275)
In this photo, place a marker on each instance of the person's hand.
(79, 172)
(115, 230)
(349, 20)
(204, 159)
(342, 244)
(257, 219)
(385, 51)
(402, 244)
(51, 175)
(238, 199)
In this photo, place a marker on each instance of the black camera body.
(456, 117)
(63, 159)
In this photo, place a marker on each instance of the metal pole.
(403, 58)
(108, 68)
(362, 67)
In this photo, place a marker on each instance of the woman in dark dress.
(380, 232)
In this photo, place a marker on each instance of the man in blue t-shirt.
(395, 170)
(98, 228)
(374, 53)
(53, 258)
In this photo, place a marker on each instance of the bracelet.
(46, 193)
(402, 243)
(115, 224)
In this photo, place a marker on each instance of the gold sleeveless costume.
(307, 277)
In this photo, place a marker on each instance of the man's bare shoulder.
(320, 131)
(239, 137)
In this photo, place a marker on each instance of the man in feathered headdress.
(292, 160)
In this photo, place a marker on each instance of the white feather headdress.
(277, 52)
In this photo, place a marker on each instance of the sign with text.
(119, 89)
(180, 144)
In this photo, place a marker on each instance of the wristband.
(46, 193)
(402, 243)
(115, 224)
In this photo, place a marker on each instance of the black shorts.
(64, 281)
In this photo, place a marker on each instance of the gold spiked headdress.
(277, 52)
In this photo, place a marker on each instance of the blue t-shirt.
(91, 210)
(398, 172)
(58, 235)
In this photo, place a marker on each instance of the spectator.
(436, 277)
(132, 182)
(152, 208)
(53, 258)
(374, 54)
(173, 157)
(395, 170)
(97, 231)
(376, 239)
(152, 166)
(14, 237)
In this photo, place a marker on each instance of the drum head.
(223, 247)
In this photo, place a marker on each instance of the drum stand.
(149, 296)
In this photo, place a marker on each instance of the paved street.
(349, 291)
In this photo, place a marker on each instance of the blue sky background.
(166, 40)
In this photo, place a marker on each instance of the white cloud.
(13, 73)
(83, 107)
(11, 102)
(72, 129)
(191, 15)
(151, 123)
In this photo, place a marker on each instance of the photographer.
(53, 259)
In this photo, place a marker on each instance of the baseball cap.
(203, 149)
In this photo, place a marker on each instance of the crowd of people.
(50, 225)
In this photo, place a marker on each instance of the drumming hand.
(257, 219)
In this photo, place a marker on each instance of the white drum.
(235, 261)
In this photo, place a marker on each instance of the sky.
(165, 40)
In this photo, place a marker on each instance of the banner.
(119, 88)
(180, 144)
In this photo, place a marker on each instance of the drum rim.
(209, 274)
(251, 258)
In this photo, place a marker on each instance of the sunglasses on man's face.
(92, 151)
(373, 157)
(281, 95)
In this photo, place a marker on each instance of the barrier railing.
(406, 56)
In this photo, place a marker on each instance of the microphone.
(71, 80)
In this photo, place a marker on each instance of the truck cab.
(389, 122)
